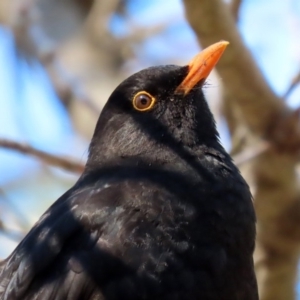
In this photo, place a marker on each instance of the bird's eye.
(143, 101)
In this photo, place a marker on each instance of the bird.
(160, 210)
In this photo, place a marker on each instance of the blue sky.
(269, 28)
(31, 112)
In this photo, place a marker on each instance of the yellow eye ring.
(143, 101)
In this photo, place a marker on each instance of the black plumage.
(160, 212)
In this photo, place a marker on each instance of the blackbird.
(160, 211)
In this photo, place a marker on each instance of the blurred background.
(61, 59)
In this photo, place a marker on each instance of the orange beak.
(201, 66)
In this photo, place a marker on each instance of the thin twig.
(294, 83)
(235, 8)
(50, 159)
(66, 85)
(22, 220)
(29, 33)
(13, 234)
(250, 153)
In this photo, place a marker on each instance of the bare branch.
(99, 17)
(251, 153)
(50, 159)
(13, 234)
(271, 174)
(217, 24)
(294, 83)
(235, 8)
(232, 118)
(65, 84)
(34, 42)
(19, 215)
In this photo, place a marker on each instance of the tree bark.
(254, 113)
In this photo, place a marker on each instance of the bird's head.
(156, 109)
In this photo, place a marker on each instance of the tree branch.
(235, 8)
(20, 217)
(217, 24)
(250, 153)
(50, 159)
(294, 83)
(33, 42)
(271, 174)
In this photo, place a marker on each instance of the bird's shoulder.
(121, 234)
(92, 229)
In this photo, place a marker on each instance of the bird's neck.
(174, 158)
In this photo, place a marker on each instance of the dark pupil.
(144, 100)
